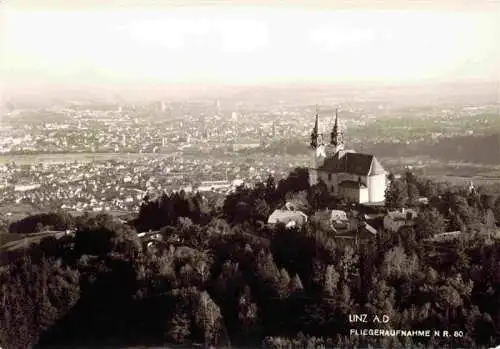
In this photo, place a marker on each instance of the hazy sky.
(219, 43)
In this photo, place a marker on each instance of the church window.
(329, 176)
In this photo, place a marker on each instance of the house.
(394, 220)
(338, 215)
(287, 216)
(339, 220)
(358, 231)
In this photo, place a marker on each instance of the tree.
(296, 284)
(208, 317)
(396, 195)
(284, 283)
(242, 212)
(332, 278)
(297, 180)
(397, 263)
(496, 209)
(256, 280)
(218, 227)
(261, 210)
(489, 219)
(429, 223)
(39, 222)
(247, 313)
(466, 212)
(34, 294)
(412, 194)
(318, 196)
(429, 189)
(299, 200)
(270, 189)
(456, 222)
(268, 272)
(381, 299)
(448, 299)
(178, 327)
(487, 201)
(410, 177)
(348, 263)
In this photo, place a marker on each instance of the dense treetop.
(219, 274)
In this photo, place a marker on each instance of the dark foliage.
(167, 209)
(38, 222)
(231, 278)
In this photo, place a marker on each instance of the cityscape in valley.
(336, 213)
(107, 156)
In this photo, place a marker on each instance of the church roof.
(376, 168)
(354, 163)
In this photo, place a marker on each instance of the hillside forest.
(220, 275)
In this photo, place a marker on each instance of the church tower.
(318, 153)
(315, 133)
(316, 145)
(336, 136)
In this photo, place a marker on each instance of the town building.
(357, 177)
(288, 215)
(395, 220)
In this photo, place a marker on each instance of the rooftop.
(354, 163)
(285, 216)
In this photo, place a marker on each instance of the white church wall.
(364, 196)
(376, 188)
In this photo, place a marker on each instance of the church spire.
(336, 135)
(315, 132)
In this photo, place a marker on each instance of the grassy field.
(7, 238)
(11, 213)
(23, 241)
(16, 212)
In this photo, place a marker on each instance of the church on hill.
(357, 177)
